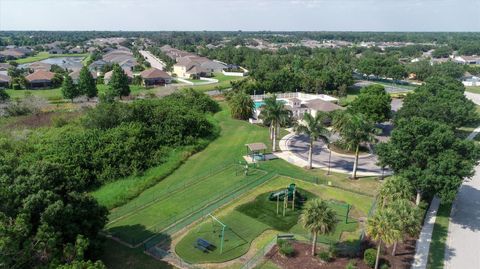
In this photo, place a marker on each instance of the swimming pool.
(261, 103)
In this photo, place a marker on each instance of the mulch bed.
(303, 259)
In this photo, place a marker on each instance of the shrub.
(285, 248)
(332, 249)
(325, 256)
(351, 265)
(385, 266)
(370, 256)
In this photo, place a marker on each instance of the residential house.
(108, 76)
(4, 66)
(470, 81)
(55, 51)
(97, 66)
(75, 50)
(195, 66)
(75, 75)
(467, 59)
(15, 53)
(39, 66)
(4, 81)
(122, 57)
(153, 76)
(40, 79)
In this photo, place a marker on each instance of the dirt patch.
(40, 120)
(303, 258)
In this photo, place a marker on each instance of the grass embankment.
(55, 95)
(223, 83)
(436, 256)
(230, 146)
(252, 215)
(473, 89)
(45, 55)
(120, 256)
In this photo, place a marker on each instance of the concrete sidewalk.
(423, 243)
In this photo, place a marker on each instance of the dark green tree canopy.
(118, 84)
(86, 83)
(439, 99)
(429, 155)
(241, 105)
(69, 90)
(373, 102)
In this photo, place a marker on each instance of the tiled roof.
(40, 75)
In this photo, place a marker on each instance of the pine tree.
(69, 90)
(118, 85)
(86, 83)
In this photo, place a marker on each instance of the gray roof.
(320, 105)
(256, 146)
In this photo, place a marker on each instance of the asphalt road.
(463, 241)
(299, 146)
(154, 61)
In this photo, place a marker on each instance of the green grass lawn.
(223, 83)
(55, 95)
(45, 55)
(473, 89)
(251, 216)
(118, 256)
(436, 255)
(176, 202)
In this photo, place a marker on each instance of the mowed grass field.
(246, 221)
(178, 201)
(45, 55)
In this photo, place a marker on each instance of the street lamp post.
(329, 159)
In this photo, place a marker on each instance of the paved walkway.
(423, 243)
(295, 150)
(153, 60)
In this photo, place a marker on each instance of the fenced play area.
(152, 214)
(267, 208)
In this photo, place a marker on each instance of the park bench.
(204, 245)
(285, 237)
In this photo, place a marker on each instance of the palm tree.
(395, 188)
(382, 228)
(274, 114)
(318, 217)
(407, 219)
(354, 130)
(241, 105)
(314, 128)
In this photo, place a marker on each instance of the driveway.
(298, 145)
(153, 60)
(475, 97)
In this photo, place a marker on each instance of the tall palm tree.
(315, 129)
(274, 114)
(382, 228)
(395, 188)
(407, 219)
(354, 130)
(318, 217)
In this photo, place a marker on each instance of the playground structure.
(290, 194)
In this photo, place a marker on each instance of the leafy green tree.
(354, 130)
(4, 96)
(382, 228)
(429, 155)
(69, 90)
(275, 114)
(86, 83)
(440, 99)
(318, 217)
(374, 103)
(57, 80)
(118, 84)
(314, 128)
(241, 105)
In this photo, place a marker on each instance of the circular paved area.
(299, 145)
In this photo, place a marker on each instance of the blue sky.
(247, 15)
